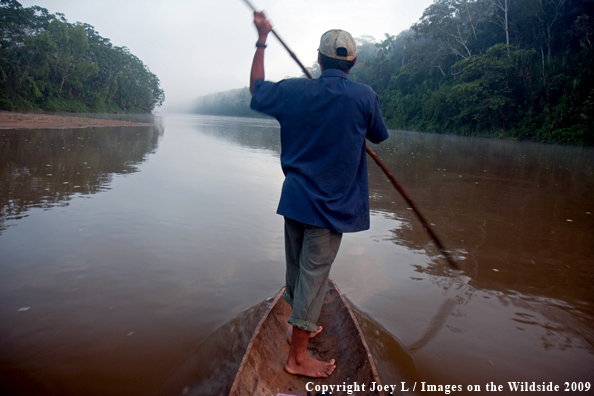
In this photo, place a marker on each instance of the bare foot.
(310, 367)
(300, 363)
(311, 335)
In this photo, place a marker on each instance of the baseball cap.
(338, 44)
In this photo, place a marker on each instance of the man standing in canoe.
(324, 123)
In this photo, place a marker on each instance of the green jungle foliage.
(521, 69)
(50, 64)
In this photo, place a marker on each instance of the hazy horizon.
(201, 47)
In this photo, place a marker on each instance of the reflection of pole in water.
(435, 324)
(410, 203)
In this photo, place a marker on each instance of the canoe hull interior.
(262, 369)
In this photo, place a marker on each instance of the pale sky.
(197, 47)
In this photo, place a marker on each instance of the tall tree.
(454, 24)
(502, 19)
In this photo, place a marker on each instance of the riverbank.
(11, 120)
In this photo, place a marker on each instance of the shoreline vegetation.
(12, 120)
(49, 64)
(521, 70)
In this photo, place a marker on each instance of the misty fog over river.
(136, 261)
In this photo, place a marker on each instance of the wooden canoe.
(262, 369)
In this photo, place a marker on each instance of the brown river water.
(137, 261)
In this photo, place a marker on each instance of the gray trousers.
(310, 252)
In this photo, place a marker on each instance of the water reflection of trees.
(263, 134)
(501, 207)
(45, 168)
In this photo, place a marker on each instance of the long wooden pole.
(383, 166)
(307, 73)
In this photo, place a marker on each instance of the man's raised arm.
(263, 26)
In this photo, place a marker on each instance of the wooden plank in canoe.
(262, 369)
